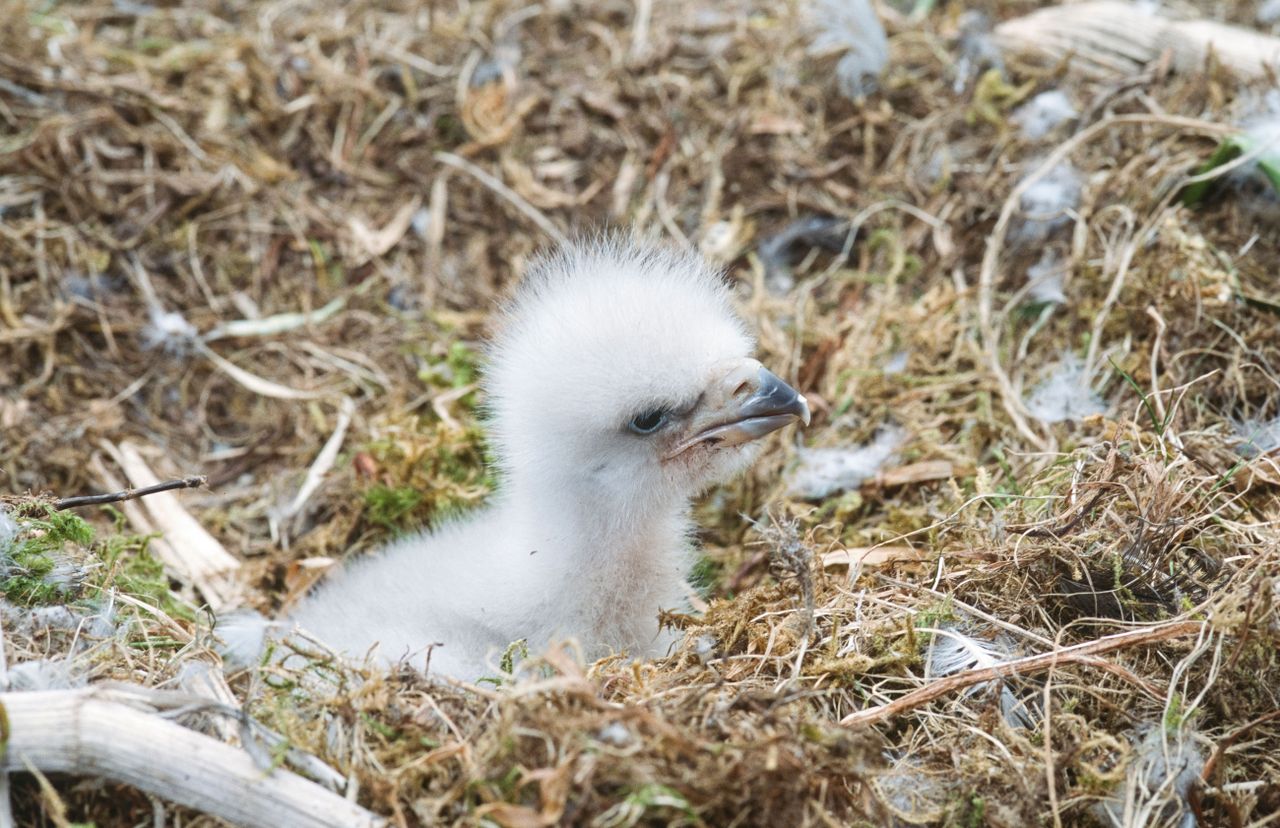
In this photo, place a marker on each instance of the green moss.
(425, 482)
(516, 651)
(43, 535)
(458, 367)
(706, 575)
(450, 131)
(134, 571)
(31, 590)
(974, 812)
(48, 530)
(463, 362)
(389, 506)
(383, 729)
(935, 614)
(157, 643)
(1176, 715)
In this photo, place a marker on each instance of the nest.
(260, 242)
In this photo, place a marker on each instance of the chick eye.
(649, 421)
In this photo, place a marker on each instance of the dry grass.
(404, 161)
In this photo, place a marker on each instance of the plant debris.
(264, 243)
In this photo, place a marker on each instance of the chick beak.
(746, 403)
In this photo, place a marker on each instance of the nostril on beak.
(744, 388)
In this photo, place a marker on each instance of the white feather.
(8, 533)
(46, 674)
(1048, 203)
(1040, 115)
(896, 364)
(825, 471)
(1262, 128)
(243, 635)
(852, 29)
(170, 331)
(1065, 394)
(952, 651)
(1165, 765)
(1045, 279)
(1258, 436)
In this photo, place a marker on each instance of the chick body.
(589, 534)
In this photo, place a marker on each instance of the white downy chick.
(620, 385)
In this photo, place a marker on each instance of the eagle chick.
(620, 385)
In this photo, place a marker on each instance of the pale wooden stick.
(94, 732)
(1109, 38)
(324, 460)
(197, 555)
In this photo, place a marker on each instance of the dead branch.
(105, 734)
(193, 482)
(1077, 654)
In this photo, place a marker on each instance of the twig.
(1102, 664)
(324, 460)
(512, 197)
(1077, 654)
(1206, 773)
(193, 482)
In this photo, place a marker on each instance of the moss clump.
(457, 367)
(133, 570)
(388, 506)
(29, 565)
(25, 584)
(427, 476)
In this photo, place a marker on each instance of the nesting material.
(851, 31)
(190, 550)
(822, 472)
(8, 530)
(46, 674)
(106, 734)
(1163, 772)
(1130, 561)
(243, 637)
(1046, 278)
(896, 363)
(1262, 132)
(170, 332)
(978, 50)
(1044, 113)
(1048, 203)
(1065, 394)
(954, 650)
(1258, 437)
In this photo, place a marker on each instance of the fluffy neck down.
(608, 567)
